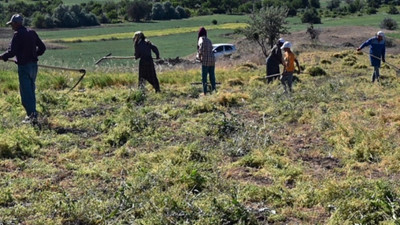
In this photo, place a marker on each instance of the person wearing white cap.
(288, 64)
(26, 46)
(377, 52)
(273, 60)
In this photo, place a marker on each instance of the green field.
(108, 153)
(85, 53)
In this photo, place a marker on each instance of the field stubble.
(249, 154)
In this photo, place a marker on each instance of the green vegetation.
(249, 154)
(108, 153)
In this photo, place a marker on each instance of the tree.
(315, 4)
(311, 16)
(139, 10)
(333, 4)
(157, 13)
(182, 12)
(170, 12)
(266, 25)
(393, 10)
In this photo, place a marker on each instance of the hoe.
(108, 56)
(391, 65)
(82, 71)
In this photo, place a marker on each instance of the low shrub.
(389, 24)
(393, 10)
(316, 71)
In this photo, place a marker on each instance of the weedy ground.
(108, 153)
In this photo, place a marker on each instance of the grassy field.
(108, 153)
(248, 154)
(180, 44)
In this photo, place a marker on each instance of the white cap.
(281, 40)
(380, 33)
(16, 18)
(286, 45)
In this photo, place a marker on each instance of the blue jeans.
(375, 75)
(208, 70)
(27, 77)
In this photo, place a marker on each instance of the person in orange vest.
(289, 59)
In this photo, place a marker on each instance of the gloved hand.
(383, 60)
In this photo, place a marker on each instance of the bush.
(316, 71)
(170, 12)
(393, 10)
(389, 24)
(157, 12)
(311, 16)
(333, 4)
(371, 10)
(139, 10)
(182, 12)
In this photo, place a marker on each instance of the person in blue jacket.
(376, 53)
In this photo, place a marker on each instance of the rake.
(391, 65)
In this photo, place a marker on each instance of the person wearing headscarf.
(207, 59)
(376, 52)
(273, 60)
(143, 49)
(26, 46)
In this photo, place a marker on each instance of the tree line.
(53, 13)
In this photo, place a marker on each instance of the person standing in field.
(376, 52)
(143, 49)
(273, 60)
(26, 46)
(207, 59)
(288, 66)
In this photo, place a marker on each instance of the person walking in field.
(26, 46)
(207, 59)
(273, 60)
(376, 52)
(288, 66)
(143, 49)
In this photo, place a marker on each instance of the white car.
(223, 49)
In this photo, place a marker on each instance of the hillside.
(108, 153)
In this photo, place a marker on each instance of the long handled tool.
(83, 71)
(391, 65)
(276, 75)
(108, 56)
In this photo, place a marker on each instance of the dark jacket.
(26, 46)
(275, 56)
(143, 50)
(273, 60)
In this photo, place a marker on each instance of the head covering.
(281, 40)
(16, 18)
(286, 45)
(380, 33)
(138, 36)
(202, 32)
